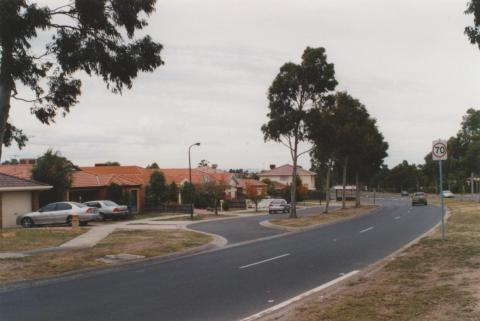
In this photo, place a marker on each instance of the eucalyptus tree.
(44, 47)
(294, 93)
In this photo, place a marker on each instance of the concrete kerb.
(336, 287)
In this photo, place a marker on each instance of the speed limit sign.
(439, 150)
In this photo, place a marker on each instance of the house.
(17, 196)
(246, 183)
(93, 182)
(283, 174)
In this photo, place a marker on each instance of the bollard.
(75, 222)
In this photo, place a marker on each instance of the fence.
(169, 208)
(237, 204)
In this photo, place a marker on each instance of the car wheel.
(27, 222)
(102, 217)
(269, 212)
(69, 221)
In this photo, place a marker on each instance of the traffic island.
(315, 220)
(431, 280)
(137, 243)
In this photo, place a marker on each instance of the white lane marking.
(397, 217)
(298, 297)
(263, 261)
(367, 229)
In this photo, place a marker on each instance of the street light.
(190, 178)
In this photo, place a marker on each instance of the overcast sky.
(408, 61)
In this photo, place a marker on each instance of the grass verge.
(432, 280)
(323, 218)
(12, 240)
(139, 242)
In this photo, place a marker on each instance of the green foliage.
(157, 191)
(173, 192)
(153, 165)
(110, 163)
(203, 163)
(116, 193)
(473, 32)
(226, 205)
(96, 37)
(12, 161)
(187, 191)
(55, 170)
(296, 92)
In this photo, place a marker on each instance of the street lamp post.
(190, 179)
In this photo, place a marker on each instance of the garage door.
(14, 203)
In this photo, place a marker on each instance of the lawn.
(432, 280)
(323, 218)
(138, 242)
(12, 240)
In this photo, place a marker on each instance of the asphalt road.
(247, 228)
(228, 284)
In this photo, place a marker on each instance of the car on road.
(59, 213)
(404, 193)
(109, 209)
(448, 194)
(278, 206)
(419, 198)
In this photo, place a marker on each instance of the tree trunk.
(357, 191)
(344, 182)
(293, 189)
(216, 207)
(471, 185)
(327, 191)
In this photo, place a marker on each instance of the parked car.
(404, 193)
(109, 209)
(59, 213)
(448, 194)
(278, 205)
(419, 198)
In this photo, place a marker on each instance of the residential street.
(227, 284)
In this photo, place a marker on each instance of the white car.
(448, 194)
(109, 209)
(59, 213)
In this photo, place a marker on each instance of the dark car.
(419, 198)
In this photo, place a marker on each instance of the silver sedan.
(59, 213)
(109, 209)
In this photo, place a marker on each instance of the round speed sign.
(439, 150)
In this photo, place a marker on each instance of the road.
(227, 284)
(248, 228)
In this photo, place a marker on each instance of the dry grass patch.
(324, 218)
(140, 242)
(12, 240)
(432, 280)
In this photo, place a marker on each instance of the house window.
(284, 178)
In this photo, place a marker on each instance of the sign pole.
(441, 200)
(440, 153)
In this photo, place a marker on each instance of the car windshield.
(110, 203)
(419, 194)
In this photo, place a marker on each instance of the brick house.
(283, 174)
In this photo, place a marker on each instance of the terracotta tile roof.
(278, 185)
(23, 171)
(7, 181)
(106, 175)
(286, 170)
(246, 182)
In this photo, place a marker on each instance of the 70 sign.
(439, 150)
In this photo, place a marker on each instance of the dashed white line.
(264, 261)
(397, 217)
(367, 229)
